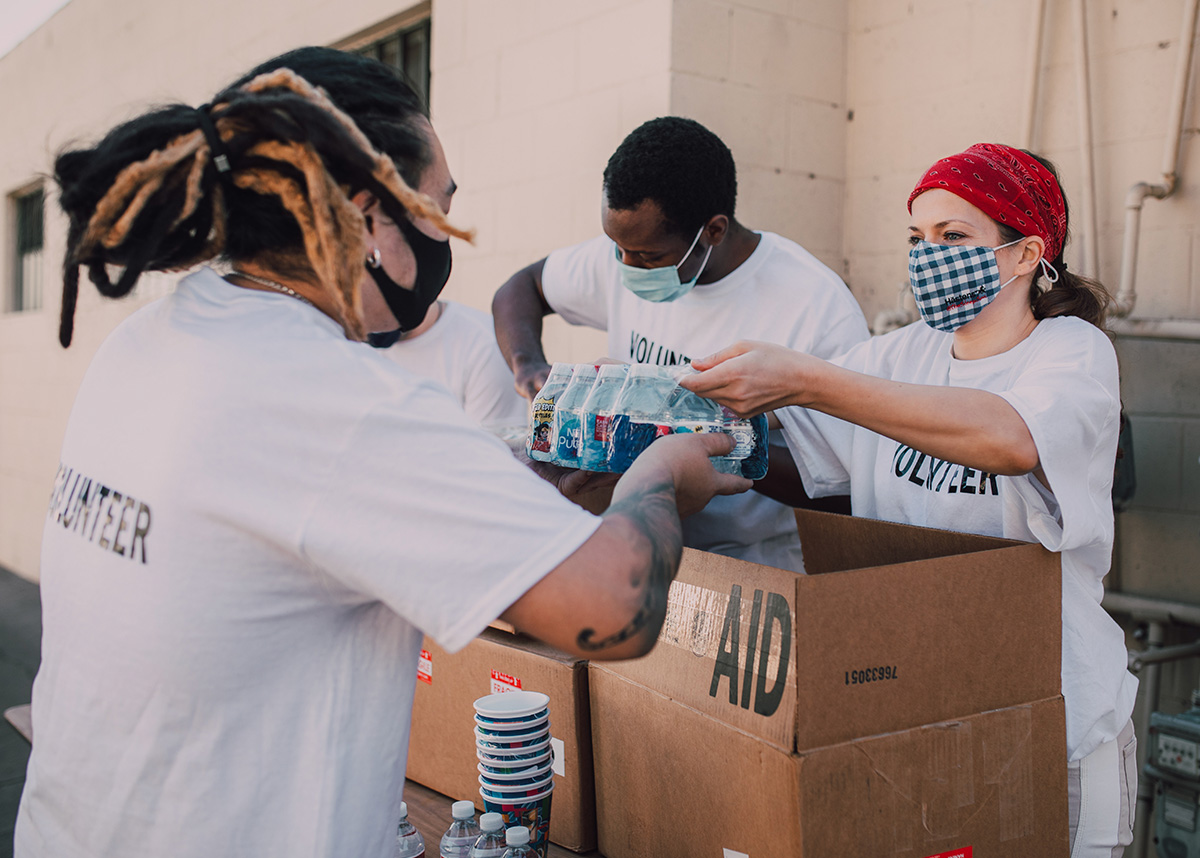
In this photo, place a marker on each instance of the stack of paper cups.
(516, 777)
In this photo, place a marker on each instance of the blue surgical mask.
(952, 282)
(660, 284)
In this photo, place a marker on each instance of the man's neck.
(739, 243)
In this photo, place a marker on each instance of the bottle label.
(543, 425)
(567, 437)
(743, 436)
(600, 427)
(740, 430)
(425, 667)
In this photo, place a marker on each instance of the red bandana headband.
(1008, 186)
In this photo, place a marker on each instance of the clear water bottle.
(490, 843)
(597, 415)
(409, 843)
(517, 840)
(568, 432)
(635, 422)
(541, 412)
(462, 833)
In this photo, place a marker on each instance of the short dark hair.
(679, 164)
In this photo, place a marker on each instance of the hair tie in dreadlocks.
(220, 155)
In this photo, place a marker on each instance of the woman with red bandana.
(997, 414)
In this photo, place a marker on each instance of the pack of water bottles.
(601, 418)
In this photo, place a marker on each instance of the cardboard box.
(787, 715)
(441, 751)
(673, 782)
(894, 627)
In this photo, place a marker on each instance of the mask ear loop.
(1049, 271)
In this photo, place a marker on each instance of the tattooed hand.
(609, 598)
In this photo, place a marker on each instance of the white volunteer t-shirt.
(254, 522)
(460, 353)
(1062, 380)
(780, 294)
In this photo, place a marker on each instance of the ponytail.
(1071, 295)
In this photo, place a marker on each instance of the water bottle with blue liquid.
(638, 415)
(597, 416)
(541, 412)
(567, 432)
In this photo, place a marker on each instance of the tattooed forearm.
(655, 519)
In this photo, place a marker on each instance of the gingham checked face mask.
(952, 283)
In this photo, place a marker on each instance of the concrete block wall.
(931, 77)
(768, 77)
(530, 98)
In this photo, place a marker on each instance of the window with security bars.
(406, 50)
(26, 291)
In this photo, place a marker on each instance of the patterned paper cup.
(518, 775)
(511, 705)
(499, 755)
(515, 767)
(533, 812)
(504, 728)
(518, 786)
(513, 742)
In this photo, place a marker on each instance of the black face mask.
(409, 306)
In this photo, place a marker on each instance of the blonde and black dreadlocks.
(286, 147)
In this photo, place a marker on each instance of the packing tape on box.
(943, 783)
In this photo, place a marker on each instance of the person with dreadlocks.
(998, 414)
(257, 515)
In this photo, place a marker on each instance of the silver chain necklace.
(271, 284)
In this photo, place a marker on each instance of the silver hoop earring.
(375, 259)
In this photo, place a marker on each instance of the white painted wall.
(832, 109)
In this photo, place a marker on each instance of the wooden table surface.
(429, 811)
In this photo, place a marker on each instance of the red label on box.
(502, 682)
(425, 667)
(965, 852)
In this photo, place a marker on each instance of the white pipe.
(1127, 292)
(1167, 329)
(1149, 682)
(1035, 73)
(1150, 608)
(1091, 265)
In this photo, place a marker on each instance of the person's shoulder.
(463, 316)
(1069, 338)
(1071, 333)
(802, 268)
(598, 247)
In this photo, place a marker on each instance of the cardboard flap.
(896, 646)
(834, 543)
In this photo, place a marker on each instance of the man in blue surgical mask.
(676, 276)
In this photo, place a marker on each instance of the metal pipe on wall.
(1091, 265)
(1145, 798)
(1035, 73)
(1127, 292)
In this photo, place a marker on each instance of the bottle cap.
(614, 370)
(646, 370)
(491, 822)
(561, 369)
(584, 370)
(518, 836)
(463, 810)
(404, 810)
